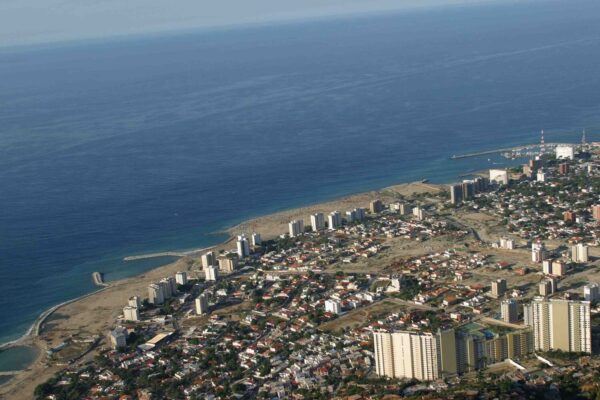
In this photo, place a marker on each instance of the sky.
(25, 22)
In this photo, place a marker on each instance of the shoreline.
(87, 314)
(34, 329)
(230, 231)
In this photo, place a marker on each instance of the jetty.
(178, 254)
(98, 278)
(503, 150)
(156, 255)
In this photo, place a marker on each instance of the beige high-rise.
(560, 325)
(406, 355)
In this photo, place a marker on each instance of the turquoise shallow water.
(126, 147)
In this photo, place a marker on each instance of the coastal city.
(486, 288)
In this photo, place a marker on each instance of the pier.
(10, 373)
(166, 254)
(156, 255)
(508, 149)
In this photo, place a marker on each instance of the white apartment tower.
(296, 227)
(155, 294)
(131, 313)
(118, 337)
(399, 207)
(509, 311)
(256, 239)
(332, 306)
(418, 213)
(541, 176)
(334, 220)
(591, 292)
(208, 259)
(317, 221)
(538, 252)
(579, 253)
(211, 273)
(350, 216)
(202, 304)
(243, 246)
(181, 278)
(135, 301)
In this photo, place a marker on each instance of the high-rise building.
(456, 194)
(498, 288)
(165, 288)
(547, 267)
(350, 216)
(407, 355)
(596, 212)
(118, 338)
(211, 273)
(296, 227)
(243, 246)
(227, 264)
(560, 324)
(509, 310)
(468, 190)
(541, 176)
(202, 304)
(317, 221)
(167, 285)
(506, 243)
(538, 252)
(256, 239)
(359, 213)
(546, 287)
(418, 213)
(208, 259)
(579, 253)
(181, 278)
(569, 216)
(135, 301)
(401, 354)
(400, 208)
(376, 206)
(559, 268)
(131, 313)
(591, 292)
(332, 306)
(563, 168)
(480, 184)
(427, 356)
(173, 285)
(334, 220)
(156, 294)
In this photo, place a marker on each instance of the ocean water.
(114, 148)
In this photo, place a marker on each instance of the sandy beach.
(95, 314)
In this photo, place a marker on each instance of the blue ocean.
(129, 146)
